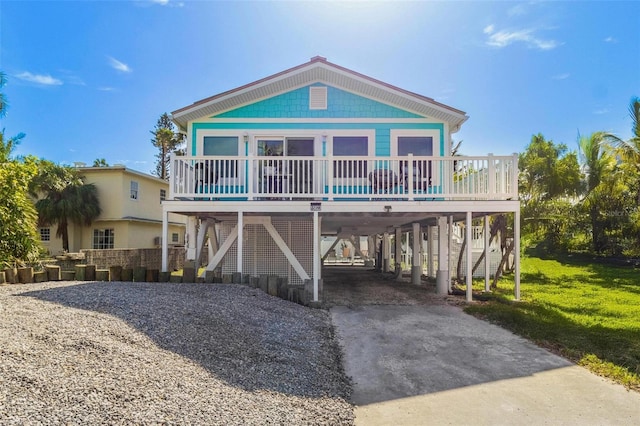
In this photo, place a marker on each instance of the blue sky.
(89, 79)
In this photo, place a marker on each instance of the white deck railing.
(343, 178)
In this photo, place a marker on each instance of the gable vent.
(317, 97)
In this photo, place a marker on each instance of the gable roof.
(318, 69)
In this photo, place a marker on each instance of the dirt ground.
(359, 285)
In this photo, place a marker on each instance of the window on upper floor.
(133, 194)
(352, 146)
(103, 238)
(222, 146)
(419, 145)
(163, 194)
(175, 238)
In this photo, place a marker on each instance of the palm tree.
(67, 199)
(597, 162)
(629, 150)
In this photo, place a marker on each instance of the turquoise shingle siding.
(295, 104)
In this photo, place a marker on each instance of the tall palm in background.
(629, 150)
(597, 163)
(67, 199)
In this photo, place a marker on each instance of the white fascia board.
(275, 207)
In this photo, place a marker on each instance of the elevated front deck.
(400, 178)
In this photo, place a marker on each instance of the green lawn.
(585, 311)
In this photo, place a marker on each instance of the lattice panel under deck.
(261, 255)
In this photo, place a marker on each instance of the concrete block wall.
(150, 258)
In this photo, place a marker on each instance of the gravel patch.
(156, 353)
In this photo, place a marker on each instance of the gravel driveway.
(97, 353)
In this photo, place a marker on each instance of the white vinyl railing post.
(249, 185)
(491, 182)
(173, 171)
(514, 177)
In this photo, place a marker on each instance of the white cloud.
(504, 38)
(106, 89)
(518, 10)
(44, 79)
(167, 3)
(610, 40)
(601, 111)
(119, 66)
(563, 76)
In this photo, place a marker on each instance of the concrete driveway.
(435, 365)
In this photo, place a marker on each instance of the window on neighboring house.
(350, 146)
(222, 146)
(134, 190)
(45, 234)
(163, 194)
(175, 238)
(103, 238)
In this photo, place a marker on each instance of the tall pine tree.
(168, 141)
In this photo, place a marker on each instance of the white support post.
(416, 262)
(316, 256)
(516, 252)
(469, 254)
(449, 247)
(429, 251)
(191, 237)
(214, 244)
(165, 243)
(443, 257)
(487, 262)
(240, 245)
(319, 245)
(398, 249)
(386, 252)
(202, 232)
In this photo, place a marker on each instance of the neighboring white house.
(131, 214)
(320, 150)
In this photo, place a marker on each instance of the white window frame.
(163, 194)
(238, 180)
(432, 133)
(113, 238)
(283, 135)
(134, 190)
(370, 134)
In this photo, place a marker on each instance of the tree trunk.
(459, 266)
(479, 261)
(505, 258)
(63, 230)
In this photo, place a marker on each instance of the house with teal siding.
(319, 150)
